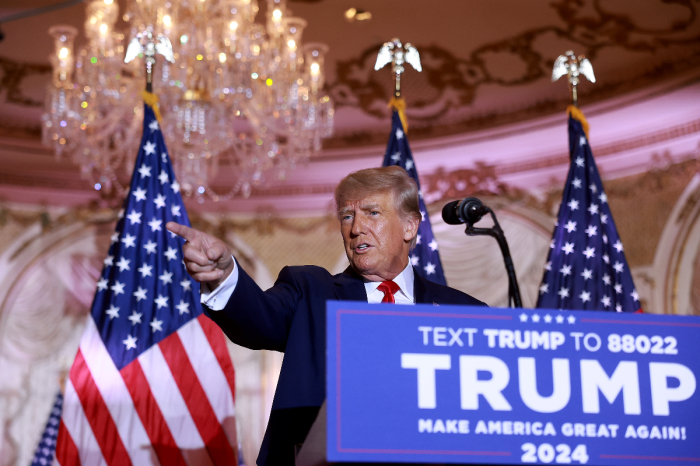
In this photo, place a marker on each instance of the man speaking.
(379, 217)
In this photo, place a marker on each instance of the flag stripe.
(97, 414)
(207, 368)
(115, 394)
(194, 395)
(147, 408)
(78, 428)
(218, 345)
(67, 455)
(167, 394)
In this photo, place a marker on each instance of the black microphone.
(469, 210)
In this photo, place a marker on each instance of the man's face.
(376, 238)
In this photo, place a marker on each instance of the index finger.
(185, 232)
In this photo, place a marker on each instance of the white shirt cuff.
(216, 300)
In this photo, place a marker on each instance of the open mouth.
(362, 247)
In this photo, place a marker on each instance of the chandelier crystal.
(242, 99)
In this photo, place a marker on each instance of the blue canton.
(586, 267)
(425, 256)
(144, 293)
(44, 453)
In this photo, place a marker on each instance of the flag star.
(563, 293)
(171, 253)
(414, 260)
(145, 270)
(155, 225)
(166, 278)
(606, 258)
(593, 188)
(606, 279)
(120, 215)
(593, 209)
(186, 285)
(113, 312)
(579, 161)
(409, 164)
(585, 296)
(571, 319)
(129, 240)
(422, 216)
(535, 318)
(417, 239)
(559, 319)
(565, 270)
(164, 157)
(618, 288)
(604, 219)
(145, 170)
(109, 260)
(135, 318)
(150, 247)
(420, 193)
(570, 226)
(183, 307)
(396, 157)
(568, 248)
(156, 325)
(153, 125)
(159, 201)
(523, 317)
(618, 307)
(589, 252)
(130, 342)
(619, 267)
(591, 230)
(118, 288)
(587, 274)
(618, 246)
(573, 204)
(603, 198)
(150, 148)
(140, 194)
(544, 288)
(433, 245)
(176, 186)
(114, 238)
(399, 133)
(605, 301)
(163, 177)
(123, 264)
(429, 269)
(548, 265)
(582, 141)
(102, 284)
(634, 295)
(576, 183)
(140, 294)
(551, 244)
(161, 301)
(134, 217)
(605, 239)
(547, 318)
(175, 210)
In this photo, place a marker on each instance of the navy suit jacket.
(291, 317)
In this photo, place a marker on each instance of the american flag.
(44, 453)
(425, 256)
(586, 267)
(152, 382)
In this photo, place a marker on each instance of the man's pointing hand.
(207, 258)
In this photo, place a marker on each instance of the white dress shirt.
(216, 300)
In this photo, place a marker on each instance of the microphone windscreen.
(449, 213)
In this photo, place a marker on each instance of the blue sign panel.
(451, 384)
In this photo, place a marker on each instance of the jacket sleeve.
(258, 319)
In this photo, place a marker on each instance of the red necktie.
(388, 288)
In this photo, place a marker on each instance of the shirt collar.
(405, 280)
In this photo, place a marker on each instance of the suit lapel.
(349, 286)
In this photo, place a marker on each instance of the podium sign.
(453, 384)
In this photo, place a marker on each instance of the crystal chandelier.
(240, 96)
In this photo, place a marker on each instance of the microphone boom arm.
(497, 233)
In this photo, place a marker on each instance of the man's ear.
(410, 228)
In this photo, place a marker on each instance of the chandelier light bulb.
(233, 26)
(277, 14)
(167, 21)
(103, 29)
(291, 44)
(315, 69)
(63, 53)
(222, 57)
